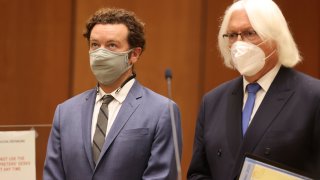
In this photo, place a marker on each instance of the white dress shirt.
(113, 107)
(265, 82)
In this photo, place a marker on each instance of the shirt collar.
(120, 96)
(266, 80)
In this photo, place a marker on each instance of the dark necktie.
(247, 111)
(101, 128)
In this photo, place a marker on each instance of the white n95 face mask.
(108, 66)
(247, 58)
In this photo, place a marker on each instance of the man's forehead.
(239, 20)
(115, 32)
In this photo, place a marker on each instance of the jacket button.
(219, 152)
(267, 151)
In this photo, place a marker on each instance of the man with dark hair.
(118, 130)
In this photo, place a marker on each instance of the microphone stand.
(168, 76)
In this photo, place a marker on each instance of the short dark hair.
(118, 16)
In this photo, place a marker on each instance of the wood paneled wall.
(35, 51)
(304, 22)
(44, 58)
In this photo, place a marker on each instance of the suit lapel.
(233, 118)
(272, 104)
(277, 96)
(128, 107)
(87, 111)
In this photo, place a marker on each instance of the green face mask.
(108, 66)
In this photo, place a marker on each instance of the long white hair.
(268, 21)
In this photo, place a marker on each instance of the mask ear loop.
(128, 55)
(261, 43)
(133, 73)
(266, 58)
(270, 53)
(132, 65)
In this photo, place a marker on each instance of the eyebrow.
(109, 41)
(244, 29)
(92, 39)
(113, 41)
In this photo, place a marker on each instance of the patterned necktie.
(247, 111)
(101, 128)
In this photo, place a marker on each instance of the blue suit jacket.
(138, 146)
(285, 128)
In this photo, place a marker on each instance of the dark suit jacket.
(285, 128)
(138, 146)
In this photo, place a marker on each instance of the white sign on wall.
(17, 155)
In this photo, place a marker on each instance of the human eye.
(94, 45)
(112, 46)
(250, 33)
(232, 35)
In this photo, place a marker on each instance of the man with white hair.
(271, 110)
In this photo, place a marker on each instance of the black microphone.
(168, 76)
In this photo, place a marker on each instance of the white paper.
(17, 155)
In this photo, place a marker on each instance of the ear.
(135, 54)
